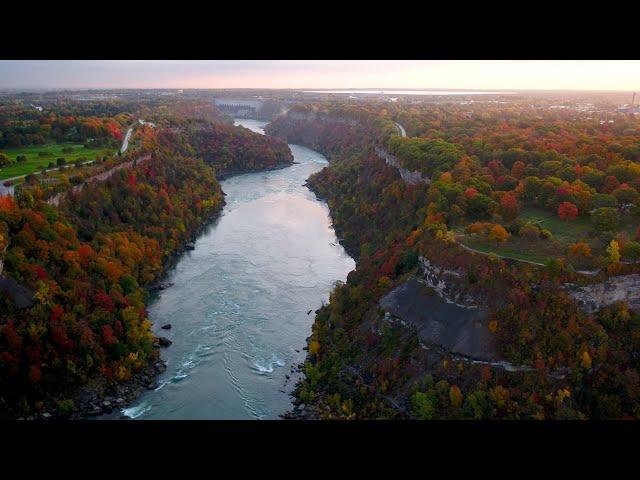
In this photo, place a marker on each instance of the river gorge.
(239, 301)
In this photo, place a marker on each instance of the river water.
(239, 303)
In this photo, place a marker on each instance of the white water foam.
(269, 367)
(137, 411)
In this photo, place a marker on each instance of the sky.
(618, 75)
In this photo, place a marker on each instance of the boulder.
(95, 411)
(164, 341)
(166, 327)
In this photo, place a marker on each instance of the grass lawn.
(35, 162)
(564, 232)
(505, 249)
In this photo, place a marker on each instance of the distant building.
(629, 109)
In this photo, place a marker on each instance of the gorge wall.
(592, 298)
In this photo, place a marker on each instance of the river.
(239, 301)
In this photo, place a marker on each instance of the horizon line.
(318, 90)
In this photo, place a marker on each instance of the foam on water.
(268, 366)
(136, 411)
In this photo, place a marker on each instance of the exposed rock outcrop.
(21, 296)
(592, 298)
(457, 328)
(412, 178)
(447, 284)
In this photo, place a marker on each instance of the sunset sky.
(455, 74)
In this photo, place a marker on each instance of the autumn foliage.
(567, 211)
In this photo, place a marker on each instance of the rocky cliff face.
(592, 298)
(21, 296)
(447, 284)
(412, 178)
(440, 321)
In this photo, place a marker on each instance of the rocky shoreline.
(300, 411)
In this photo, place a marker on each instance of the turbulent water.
(239, 302)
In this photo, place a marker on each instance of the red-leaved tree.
(567, 211)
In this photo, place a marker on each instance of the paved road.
(125, 142)
(127, 137)
(401, 129)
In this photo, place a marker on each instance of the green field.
(506, 250)
(539, 251)
(35, 162)
(564, 232)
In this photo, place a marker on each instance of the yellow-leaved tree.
(614, 251)
(586, 360)
(455, 395)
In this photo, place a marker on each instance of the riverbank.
(101, 396)
(124, 395)
(240, 301)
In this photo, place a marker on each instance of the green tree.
(604, 219)
(424, 405)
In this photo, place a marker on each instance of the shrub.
(530, 232)
(546, 234)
